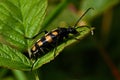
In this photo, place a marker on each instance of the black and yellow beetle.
(52, 39)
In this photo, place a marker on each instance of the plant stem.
(36, 75)
(55, 12)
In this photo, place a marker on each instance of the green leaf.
(13, 59)
(19, 75)
(84, 31)
(11, 28)
(33, 12)
(19, 19)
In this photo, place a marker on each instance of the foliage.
(25, 18)
(19, 19)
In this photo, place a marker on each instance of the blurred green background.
(95, 57)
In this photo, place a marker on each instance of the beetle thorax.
(72, 30)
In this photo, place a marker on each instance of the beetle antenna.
(82, 16)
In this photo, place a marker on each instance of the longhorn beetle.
(52, 39)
